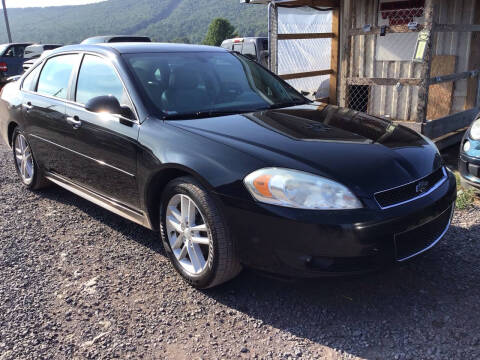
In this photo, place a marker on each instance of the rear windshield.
(185, 84)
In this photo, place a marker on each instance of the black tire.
(222, 263)
(38, 182)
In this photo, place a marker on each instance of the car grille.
(410, 191)
(422, 238)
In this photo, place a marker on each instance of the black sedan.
(469, 165)
(229, 162)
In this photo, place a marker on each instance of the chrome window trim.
(432, 189)
(67, 101)
(452, 211)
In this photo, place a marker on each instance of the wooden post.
(474, 61)
(334, 57)
(346, 50)
(427, 63)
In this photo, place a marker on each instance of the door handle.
(74, 121)
(28, 106)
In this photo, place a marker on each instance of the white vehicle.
(29, 63)
(34, 51)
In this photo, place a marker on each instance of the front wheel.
(25, 164)
(195, 235)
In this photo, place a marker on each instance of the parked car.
(229, 162)
(115, 38)
(255, 48)
(469, 164)
(11, 60)
(34, 51)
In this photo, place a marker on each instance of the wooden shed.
(416, 62)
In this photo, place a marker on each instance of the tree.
(181, 40)
(219, 30)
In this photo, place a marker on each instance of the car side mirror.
(108, 103)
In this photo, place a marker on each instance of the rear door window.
(98, 78)
(55, 76)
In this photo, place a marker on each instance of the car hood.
(366, 153)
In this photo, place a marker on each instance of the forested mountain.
(163, 20)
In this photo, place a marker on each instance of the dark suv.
(11, 60)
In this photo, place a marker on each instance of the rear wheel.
(195, 235)
(27, 168)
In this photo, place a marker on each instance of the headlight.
(475, 130)
(298, 189)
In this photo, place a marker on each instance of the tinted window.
(208, 82)
(98, 78)
(15, 51)
(55, 76)
(249, 50)
(30, 81)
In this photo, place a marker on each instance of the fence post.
(346, 50)
(429, 29)
(332, 98)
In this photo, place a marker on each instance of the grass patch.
(465, 197)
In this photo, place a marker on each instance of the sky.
(41, 3)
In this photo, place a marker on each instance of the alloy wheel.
(188, 234)
(24, 159)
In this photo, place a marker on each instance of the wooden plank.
(474, 62)
(302, 36)
(384, 81)
(394, 29)
(439, 127)
(450, 139)
(306, 74)
(457, 28)
(425, 67)
(453, 77)
(334, 58)
(345, 51)
(440, 95)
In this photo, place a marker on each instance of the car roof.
(134, 48)
(42, 45)
(107, 38)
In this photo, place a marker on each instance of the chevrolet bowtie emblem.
(421, 187)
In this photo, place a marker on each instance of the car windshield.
(185, 85)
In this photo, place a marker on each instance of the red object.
(402, 12)
(3, 67)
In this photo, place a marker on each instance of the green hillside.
(163, 20)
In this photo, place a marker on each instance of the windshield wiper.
(203, 114)
(287, 104)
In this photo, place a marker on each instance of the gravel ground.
(80, 282)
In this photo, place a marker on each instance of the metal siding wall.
(402, 104)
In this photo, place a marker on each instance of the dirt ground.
(80, 282)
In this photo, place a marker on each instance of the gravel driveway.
(80, 282)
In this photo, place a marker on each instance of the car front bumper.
(305, 243)
(469, 167)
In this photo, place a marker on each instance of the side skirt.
(136, 216)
